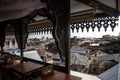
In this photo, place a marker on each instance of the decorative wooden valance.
(43, 27)
(38, 29)
(82, 16)
(88, 22)
(104, 22)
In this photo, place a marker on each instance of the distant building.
(79, 59)
(85, 45)
(111, 48)
(75, 41)
(10, 42)
(80, 50)
(33, 55)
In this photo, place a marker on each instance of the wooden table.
(27, 68)
(56, 75)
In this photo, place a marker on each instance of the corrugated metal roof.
(111, 74)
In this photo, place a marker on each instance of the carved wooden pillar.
(2, 34)
(21, 33)
(61, 31)
(118, 6)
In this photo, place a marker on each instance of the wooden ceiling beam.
(87, 2)
(82, 16)
(106, 9)
(82, 12)
(98, 5)
(118, 6)
(44, 23)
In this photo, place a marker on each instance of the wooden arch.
(58, 12)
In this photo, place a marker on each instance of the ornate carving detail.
(82, 26)
(72, 27)
(97, 22)
(83, 16)
(60, 24)
(87, 26)
(2, 34)
(21, 31)
(39, 29)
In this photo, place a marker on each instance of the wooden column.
(2, 34)
(118, 6)
(67, 36)
(21, 33)
(61, 29)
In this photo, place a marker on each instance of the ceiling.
(80, 7)
(76, 6)
(11, 9)
(101, 6)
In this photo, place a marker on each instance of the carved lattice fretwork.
(39, 29)
(97, 22)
